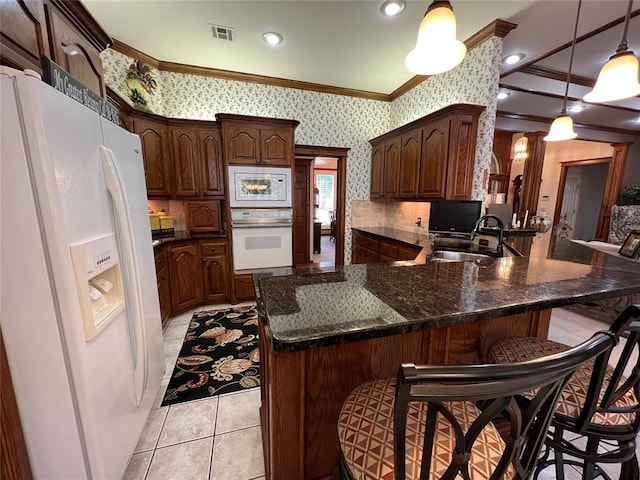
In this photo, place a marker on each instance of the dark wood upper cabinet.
(257, 140)
(409, 173)
(462, 150)
(197, 161)
(242, 145)
(155, 153)
(203, 216)
(23, 35)
(436, 156)
(71, 49)
(186, 162)
(277, 146)
(212, 179)
(391, 168)
(377, 171)
(433, 162)
(63, 31)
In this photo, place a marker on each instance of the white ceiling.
(350, 44)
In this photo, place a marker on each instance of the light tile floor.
(219, 438)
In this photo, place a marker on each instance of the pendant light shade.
(618, 78)
(561, 129)
(437, 49)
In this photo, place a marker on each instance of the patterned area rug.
(219, 355)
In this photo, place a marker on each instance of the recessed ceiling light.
(503, 95)
(576, 108)
(391, 8)
(272, 38)
(513, 58)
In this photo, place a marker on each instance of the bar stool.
(445, 421)
(597, 418)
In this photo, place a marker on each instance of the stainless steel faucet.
(500, 247)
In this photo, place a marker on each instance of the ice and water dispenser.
(99, 282)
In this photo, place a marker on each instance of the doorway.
(318, 197)
(582, 191)
(582, 198)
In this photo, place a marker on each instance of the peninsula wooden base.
(302, 392)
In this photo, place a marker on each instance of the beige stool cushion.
(365, 431)
(516, 349)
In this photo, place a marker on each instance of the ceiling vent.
(223, 33)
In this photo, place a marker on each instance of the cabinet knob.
(172, 251)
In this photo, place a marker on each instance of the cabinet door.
(203, 216)
(212, 172)
(73, 53)
(216, 279)
(242, 144)
(461, 158)
(164, 295)
(153, 136)
(377, 171)
(433, 162)
(185, 275)
(391, 168)
(410, 146)
(24, 34)
(276, 146)
(186, 161)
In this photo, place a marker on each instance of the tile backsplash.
(174, 208)
(390, 214)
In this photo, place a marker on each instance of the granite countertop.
(311, 307)
(181, 235)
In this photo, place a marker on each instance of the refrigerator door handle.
(132, 278)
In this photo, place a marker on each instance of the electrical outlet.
(419, 221)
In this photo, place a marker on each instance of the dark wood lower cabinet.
(191, 273)
(370, 248)
(185, 274)
(164, 285)
(244, 289)
(215, 272)
(302, 392)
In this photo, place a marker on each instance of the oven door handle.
(260, 225)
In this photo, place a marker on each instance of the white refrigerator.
(79, 308)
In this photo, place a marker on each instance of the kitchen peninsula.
(324, 331)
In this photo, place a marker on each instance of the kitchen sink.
(452, 256)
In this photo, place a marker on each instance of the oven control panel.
(261, 215)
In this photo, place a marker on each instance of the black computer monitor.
(454, 217)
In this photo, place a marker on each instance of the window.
(326, 196)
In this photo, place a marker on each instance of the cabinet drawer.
(358, 239)
(388, 249)
(408, 253)
(213, 248)
(370, 243)
(160, 259)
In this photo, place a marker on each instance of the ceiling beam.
(540, 119)
(513, 88)
(564, 46)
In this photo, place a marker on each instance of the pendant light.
(437, 49)
(618, 78)
(562, 127)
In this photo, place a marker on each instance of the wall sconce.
(437, 49)
(520, 152)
